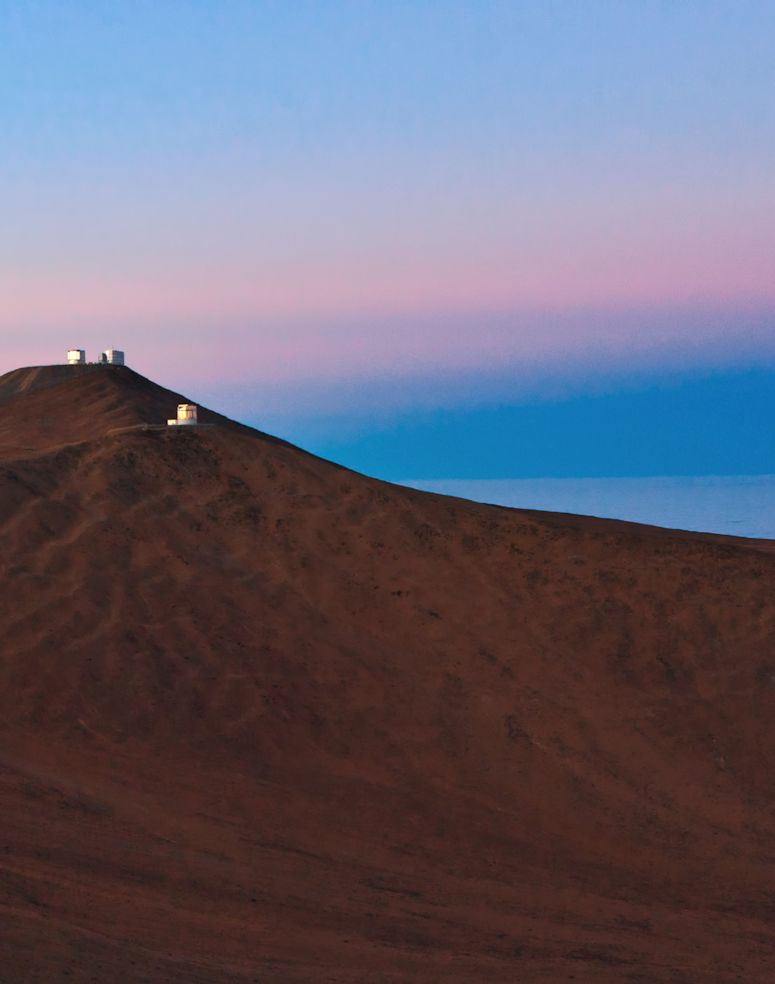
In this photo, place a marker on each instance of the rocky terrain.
(263, 719)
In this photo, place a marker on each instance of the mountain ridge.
(263, 717)
(43, 405)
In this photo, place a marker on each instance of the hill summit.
(266, 719)
(43, 406)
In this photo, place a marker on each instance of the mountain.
(266, 719)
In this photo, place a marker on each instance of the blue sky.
(683, 424)
(386, 229)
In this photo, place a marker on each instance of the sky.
(430, 238)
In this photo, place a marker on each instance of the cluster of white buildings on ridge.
(187, 412)
(110, 357)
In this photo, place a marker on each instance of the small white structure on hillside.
(76, 357)
(112, 357)
(187, 416)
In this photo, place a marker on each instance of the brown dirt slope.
(264, 719)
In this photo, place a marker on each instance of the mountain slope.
(266, 719)
(48, 406)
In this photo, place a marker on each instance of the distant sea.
(739, 505)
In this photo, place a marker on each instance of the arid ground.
(263, 719)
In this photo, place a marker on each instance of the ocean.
(738, 505)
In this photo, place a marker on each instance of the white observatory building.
(112, 357)
(76, 357)
(187, 416)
